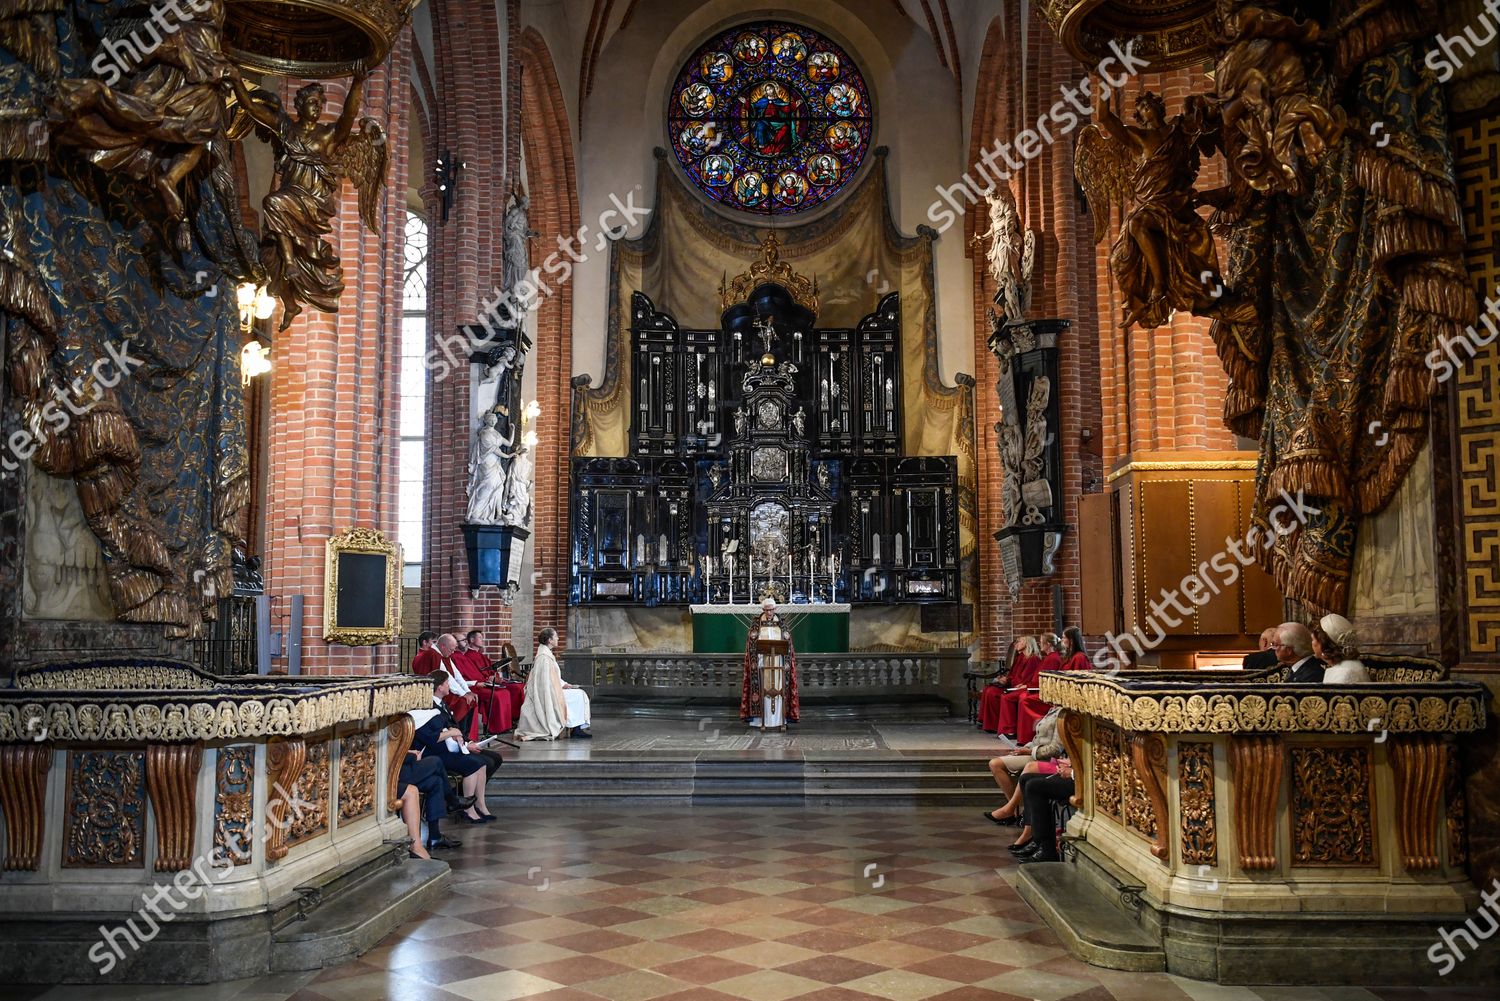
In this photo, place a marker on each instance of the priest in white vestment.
(551, 707)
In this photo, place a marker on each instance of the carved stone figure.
(312, 159)
(518, 237)
(741, 419)
(1011, 254)
(487, 478)
(1164, 258)
(517, 509)
(799, 421)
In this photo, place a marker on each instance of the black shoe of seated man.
(581, 733)
(1021, 850)
(1039, 856)
(461, 802)
(444, 842)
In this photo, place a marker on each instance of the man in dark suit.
(1294, 649)
(1266, 656)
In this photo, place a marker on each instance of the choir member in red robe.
(461, 702)
(989, 699)
(1022, 684)
(1074, 656)
(426, 661)
(495, 703)
(495, 674)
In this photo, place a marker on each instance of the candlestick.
(898, 549)
(875, 548)
(789, 577)
(661, 549)
(752, 578)
(729, 562)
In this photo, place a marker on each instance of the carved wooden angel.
(312, 158)
(1164, 258)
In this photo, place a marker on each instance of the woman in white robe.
(552, 707)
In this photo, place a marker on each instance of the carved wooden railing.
(935, 673)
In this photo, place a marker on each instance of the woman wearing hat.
(1333, 643)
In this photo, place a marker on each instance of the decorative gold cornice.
(1167, 33)
(1182, 705)
(124, 703)
(1175, 465)
(770, 268)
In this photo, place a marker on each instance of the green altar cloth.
(815, 628)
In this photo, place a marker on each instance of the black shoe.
(580, 732)
(444, 842)
(1019, 850)
(1039, 856)
(461, 802)
(1001, 821)
(464, 818)
(486, 818)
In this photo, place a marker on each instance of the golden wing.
(1102, 167)
(363, 159)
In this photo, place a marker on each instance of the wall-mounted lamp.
(255, 302)
(255, 360)
(446, 172)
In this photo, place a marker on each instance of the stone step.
(1092, 926)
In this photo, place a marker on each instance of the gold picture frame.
(354, 613)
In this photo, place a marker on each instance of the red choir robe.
(989, 699)
(513, 691)
(425, 662)
(1022, 679)
(494, 702)
(1031, 708)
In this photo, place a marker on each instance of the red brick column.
(547, 142)
(333, 437)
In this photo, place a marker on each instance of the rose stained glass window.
(770, 118)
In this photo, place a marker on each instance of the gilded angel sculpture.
(312, 159)
(1164, 257)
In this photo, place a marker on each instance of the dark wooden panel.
(1163, 550)
(1261, 598)
(1216, 518)
(1098, 552)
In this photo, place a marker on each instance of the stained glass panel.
(770, 118)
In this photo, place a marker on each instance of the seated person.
(496, 677)
(493, 704)
(440, 737)
(1074, 656)
(1046, 747)
(1041, 792)
(462, 702)
(426, 660)
(1011, 724)
(552, 706)
(1294, 649)
(1266, 656)
(1333, 644)
(423, 777)
(989, 699)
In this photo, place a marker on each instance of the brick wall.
(333, 431)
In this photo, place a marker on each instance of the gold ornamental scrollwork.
(1167, 33)
(359, 551)
(770, 268)
(313, 38)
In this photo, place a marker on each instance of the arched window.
(413, 399)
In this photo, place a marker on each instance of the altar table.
(815, 628)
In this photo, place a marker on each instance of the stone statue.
(518, 236)
(517, 510)
(741, 418)
(799, 421)
(312, 158)
(1011, 254)
(487, 479)
(1164, 257)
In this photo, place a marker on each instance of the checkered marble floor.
(724, 904)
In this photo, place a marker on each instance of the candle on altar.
(751, 571)
(898, 549)
(729, 562)
(875, 548)
(788, 576)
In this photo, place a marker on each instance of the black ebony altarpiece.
(765, 454)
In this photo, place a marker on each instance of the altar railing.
(937, 672)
